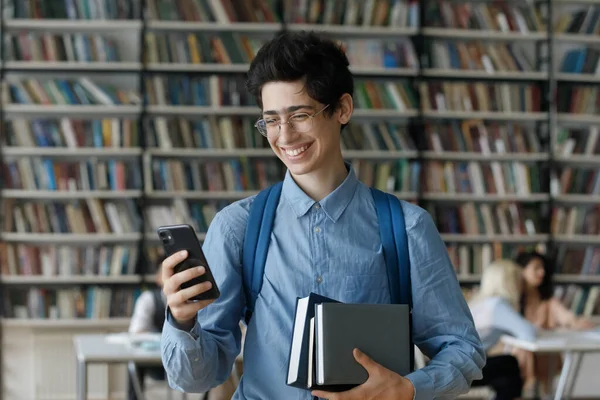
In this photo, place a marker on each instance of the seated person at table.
(148, 316)
(495, 310)
(546, 312)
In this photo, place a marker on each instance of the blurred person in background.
(495, 310)
(540, 307)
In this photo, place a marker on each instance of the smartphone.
(176, 238)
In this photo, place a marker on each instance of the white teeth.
(295, 152)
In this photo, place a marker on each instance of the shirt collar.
(333, 204)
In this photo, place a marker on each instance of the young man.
(325, 239)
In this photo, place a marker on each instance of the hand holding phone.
(188, 282)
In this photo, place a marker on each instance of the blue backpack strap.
(394, 240)
(256, 243)
(392, 231)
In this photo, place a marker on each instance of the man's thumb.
(364, 359)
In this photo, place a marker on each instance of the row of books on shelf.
(72, 133)
(503, 16)
(69, 9)
(584, 301)
(243, 174)
(67, 47)
(241, 48)
(69, 303)
(218, 90)
(62, 260)
(578, 100)
(75, 216)
(499, 178)
(119, 216)
(33, 173)
(583, 219)
(575, 181)
(477, 55)
(463, 96)
(474, 136)
(479, 137)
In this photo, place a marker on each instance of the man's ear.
(345, 108)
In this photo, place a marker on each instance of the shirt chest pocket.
(365, 288)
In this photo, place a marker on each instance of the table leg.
(564, 376)
(137, 386)
(81, 380)
(576, 364)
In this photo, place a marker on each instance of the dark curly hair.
(314, 58)
(546, 289)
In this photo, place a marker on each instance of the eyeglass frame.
(288, 121)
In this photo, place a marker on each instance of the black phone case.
(183, 237)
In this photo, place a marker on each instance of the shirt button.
(317, 206)
(196, 359)
(317, 229)
(319, 279)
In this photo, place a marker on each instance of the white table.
(100, 349)
(572, 343)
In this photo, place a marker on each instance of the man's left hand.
(382, 384)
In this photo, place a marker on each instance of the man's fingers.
(173, 284)
(183, 295)
(170, 262)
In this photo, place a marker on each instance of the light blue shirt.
(494, 317)
(331, 248)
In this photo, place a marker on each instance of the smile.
(293, 152)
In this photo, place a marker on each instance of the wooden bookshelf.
(513, 72)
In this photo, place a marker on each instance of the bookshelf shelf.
(45, 66)
(487, 115)
(577, 38)
(469, 156)
(67, 195)
(186, 26)
(577, 199)
(579, 160)
(465, 238)
(480, 74)
(362, 31)
(67, 25)
(578, 118)
(70, 280)
(81, 111)
(72, 152)
(193, 111)
(188, 67)
(579, 78)
(581, 240)
(70, 238)
(485, 198)
(482, 34)
(106, 323)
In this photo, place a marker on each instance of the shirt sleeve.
(442, 323)
(143, 311)
(508, 320)
(197, 360)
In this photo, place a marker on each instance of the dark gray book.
(382, 331)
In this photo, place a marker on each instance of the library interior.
(118, 117)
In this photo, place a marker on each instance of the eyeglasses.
(299, 122)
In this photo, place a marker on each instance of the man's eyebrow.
(289, 109)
